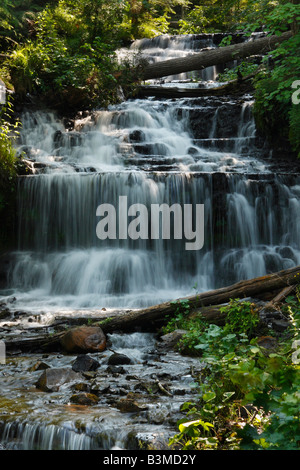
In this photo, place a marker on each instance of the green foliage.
(248, 397)
(243, 69)
(275, 113)
(272, 16)
(148, 18)
(8, 173)
(16, 20)
(195, 22)
(8, 132)
(72, 56)
(241, 317)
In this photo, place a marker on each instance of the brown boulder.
(84, 339)
(86, 399)
(128, 405)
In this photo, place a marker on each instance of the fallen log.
(152, 318)
(157, 315)
(43, 342)
(221, 55)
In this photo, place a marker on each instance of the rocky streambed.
(127, 396)
(95, 391)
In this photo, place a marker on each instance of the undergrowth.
(247, 394)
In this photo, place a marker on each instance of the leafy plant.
(248, 397)
(8, 172)
(243, 69)
(241, 317)
(194, 23)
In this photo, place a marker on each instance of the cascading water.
(145, 150)
(185, 152)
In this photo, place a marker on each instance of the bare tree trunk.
(151, 317)
(221, 55)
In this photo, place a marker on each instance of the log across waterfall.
(213, 57)
(156, 315)
(152, 318)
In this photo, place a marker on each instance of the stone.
(85, 363)
(137, 136)
(84, 339)
(86, 399)
(170, 340)
(128, 405)
(115, 370)
(52, 379)
(40, 365)
(280, 325)
(81, 387)
(117, 358)
(267, 342)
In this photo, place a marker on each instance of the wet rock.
(137, 136)
(86, 399)
(52, 379)
(157, 441)
(118, 358)
(170, 340)
(157, 415)
(4, 313)
(115, 370)
(275, 319)
(149, 387)
(280, 325)
(40, 365)
(89, 374)
(193, 151)
(268, 343)
(81, 387)
(84, 339)
(85, 363)
(129, 405)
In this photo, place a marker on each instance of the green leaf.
(209, 396)
(228, 395)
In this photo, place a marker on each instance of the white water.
(167, 47)
(187, 151)
(197, 151)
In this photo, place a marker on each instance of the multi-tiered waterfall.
(189, 152)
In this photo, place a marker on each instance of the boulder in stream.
(85, 363)
(86, 399)
(118, 358)
(83, 339)
(52, 379)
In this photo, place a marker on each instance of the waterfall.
(189, 152)
(162, 174)
(167, 47)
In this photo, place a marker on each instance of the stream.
(188, 152)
